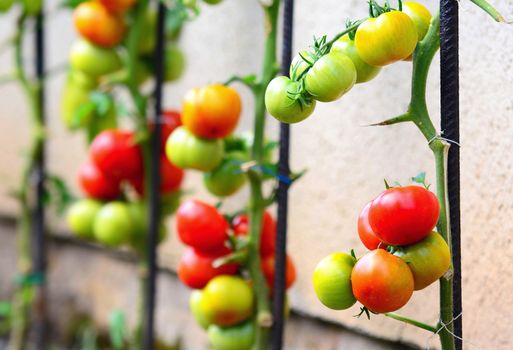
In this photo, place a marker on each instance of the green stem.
(488, 8)
(413, 322)
(257, 202)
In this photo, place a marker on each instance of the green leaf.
(103, 102)
(81, 114)
(117, 329)
(419, 178)
(57, 193)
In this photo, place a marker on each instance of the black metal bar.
(38, 228)
(450, 126)
(282, 195)
(154, 193)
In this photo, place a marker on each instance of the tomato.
(367, 235)
(197, 310)
(170, 120)
(95, 184)
(280, 102)
(174, 63)
(404, 215)
(269, 266)
(195, 269)
(364, 71)
(32, 7)
(5, 5)
(93, 60)
(212, 111)
(95, 23)
(140, 235)
(330, 77)
(149, 28)
(386, 39)
(227, 300)
(80, 217)
(190, 152)
(381, 281)
(118, 5)
(170, 202)
(420, 16)
(201, 226)
(428, 259)
(73, 98)
(240, 226)
(239, 337)
(332, 281)
(113, 224)
(228, 177)
(171, 178)
(116, 153)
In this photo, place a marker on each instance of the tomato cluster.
(328, 70)
(405, 254)
(222, 301)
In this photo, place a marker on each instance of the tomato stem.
(413, 322)
(489, 9)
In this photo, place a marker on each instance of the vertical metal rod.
(38, 228)
(154, 193)
(450, 126)
(282, 195)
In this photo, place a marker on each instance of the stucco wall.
(346, 162)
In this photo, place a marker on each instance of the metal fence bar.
(282, 195)
(154, 194)
(450, 126)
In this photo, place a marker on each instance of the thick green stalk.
(257, 202)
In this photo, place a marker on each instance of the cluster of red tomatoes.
(223, 301)
(113, 180)
(405, 254)
(328, 70)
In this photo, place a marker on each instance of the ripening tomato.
(118, 5)
(420, 16)
(367, 235)
(190, 152)
(5, 5)
(95, 23)
(80, 217)
(171, 178)
(195, 268)
(113, 224)
(390, 37)
(364, 71)
(93, 60)
(227, 300)
(201, 226)
(332, 281)
(240, 226)
(428, 259)
(238, 337)
(96, 184)
(174, 63)
(195, 304)
(211, 112)
(268, 264)
(381, 281)
(117, 154)
(282, 103)
(404, 215)
(227, 178)
(330, 77)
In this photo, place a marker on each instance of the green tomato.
(149, 28)
(364, 72)
(81, 79)
(174, 64)
(74, 96)
(332, 281)
(93, 60)
(280, 102)
(113, 225)
(428, 259)
(32, 7)
(330, 77)
(140, 235)
(190, 152)
(239, 337)
(81, 216)
(5, 5)
(170, 202)
(228, 177)
(213, 2)
(196, 308)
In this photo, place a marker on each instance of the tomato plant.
(80, 217)
(238, 337)
(95, 184)
(367, 235)
(228, 177)
(113, 224)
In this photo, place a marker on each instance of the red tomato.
(367, 236)
(240, 225)
(201, 226)
(381, 281)
(170, 121)
(211, 112)
(195, 269)
(268, 268)
(404, 215)
(95, 184)
(171, 178)
(95, 23)
(117, 155)
(118, 5)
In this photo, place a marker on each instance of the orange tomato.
(118, 6)
(268, 268)
(95, 23)
(212, 111)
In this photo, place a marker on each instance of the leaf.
(5, 308)
(81, 114)
(103, 102)
(57, 193)
(419, 178)
(117, 329)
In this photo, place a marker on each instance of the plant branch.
(411, 321)
(489, 9)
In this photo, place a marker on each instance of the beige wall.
(346, 162)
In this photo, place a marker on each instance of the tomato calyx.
(364, 310)
(375, 10)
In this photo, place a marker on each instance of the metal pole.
(154, 193)
(449, 85)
